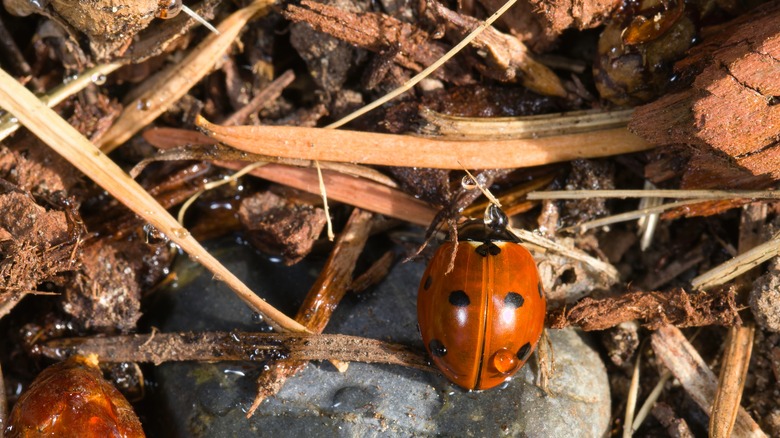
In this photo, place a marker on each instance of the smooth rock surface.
(210, 400)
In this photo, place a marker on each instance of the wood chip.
(698, 380)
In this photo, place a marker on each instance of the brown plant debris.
(36, 245)
(211, 346)
(106, 294)
(281, 227)
(538, 23)
(656, 309)
(506, 58)
(698, 380)
(764, 298)
(729, 116)
(675, 427)
(377, 32)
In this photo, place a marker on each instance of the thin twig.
(264, 97)
(323, 298)
(241, 346)
(627, 216)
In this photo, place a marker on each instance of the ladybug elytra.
(481, 321)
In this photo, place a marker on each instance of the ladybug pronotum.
(481, 321)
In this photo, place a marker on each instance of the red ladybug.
(481, 321)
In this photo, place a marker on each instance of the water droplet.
(181, 233)
(170, 10)
(354, 398)
(39, 4)
(98, 78)
(468, 183)
(143, 104)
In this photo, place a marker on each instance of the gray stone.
(210, 400)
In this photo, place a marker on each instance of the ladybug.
(481, 321)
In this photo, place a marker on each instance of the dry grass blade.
(595, 264)
(163, 90)
(169, 138)
(736, 359)
(505, 128)
(650, 400)
(633, 394)
(738, 265)
(68, 142)
(698, 380)
(629, 215)
(739, 343)
(657, 193)
(68, 88)
(647, 224)
(408, 151)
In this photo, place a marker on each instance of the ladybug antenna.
(495, 218)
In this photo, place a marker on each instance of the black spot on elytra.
(428, 282)
(458, 298)
(524, 352)
(514, 299)
(488, 248)
(541, 291)
(437, 348)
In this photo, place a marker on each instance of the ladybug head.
(493, 228)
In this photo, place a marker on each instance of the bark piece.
(280, 227)
(676, 427)
(377, 32)
(507, 58)
(538, 23)
(730, 114)
(655, 308)
(36, 245)
(106, 294)
(328, 58)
